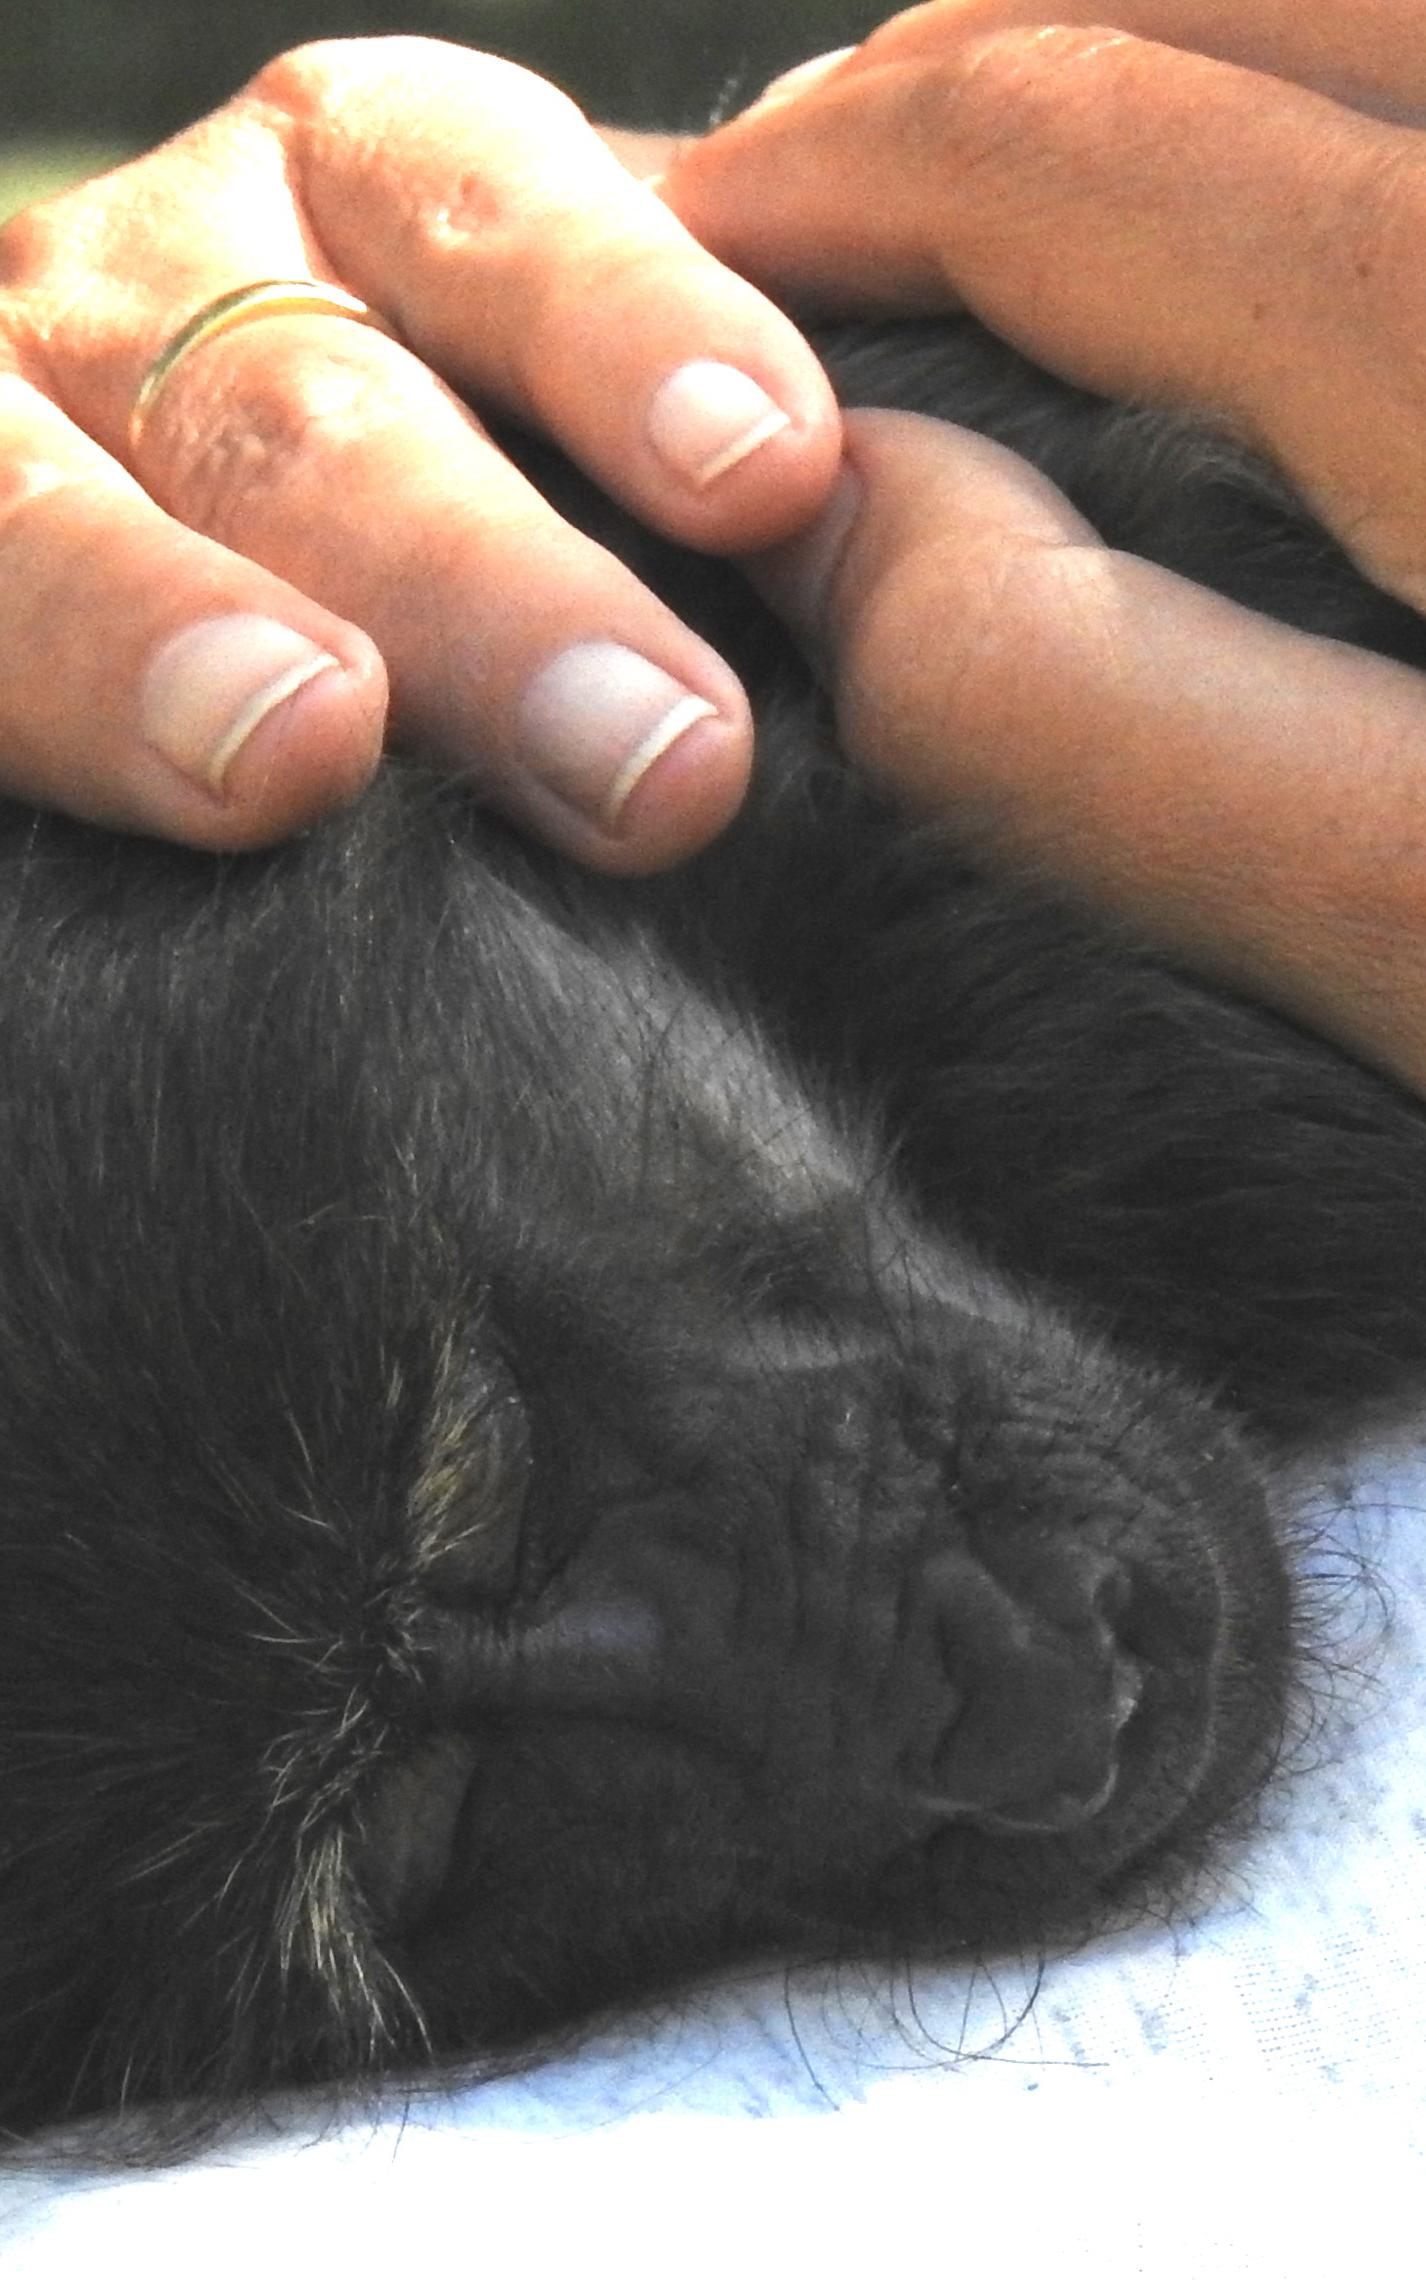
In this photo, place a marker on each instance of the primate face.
(900, 1615)
(851, 1592)
(504, 1504)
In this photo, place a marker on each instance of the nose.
(1044, 1686)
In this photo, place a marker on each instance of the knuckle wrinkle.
(1029, 90)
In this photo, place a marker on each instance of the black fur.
(558, 1431)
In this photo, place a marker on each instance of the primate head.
(536, 1451)
(501, 1502)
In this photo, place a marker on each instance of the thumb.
(1247, 795)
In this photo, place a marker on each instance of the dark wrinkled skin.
(558, 1431)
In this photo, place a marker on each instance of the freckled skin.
(558, 1431)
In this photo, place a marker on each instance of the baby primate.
(556, 1431)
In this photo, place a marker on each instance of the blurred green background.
(82, 81)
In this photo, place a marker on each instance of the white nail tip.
(658, 742)
(597, 717)
(213, 684)
(708, 417)
(743, 448)
(257, 709)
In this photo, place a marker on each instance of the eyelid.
(467, 1500)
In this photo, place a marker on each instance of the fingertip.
(743, 451)
(707, 418)
(263, 730)
(910, 488)
(313, 753)
(801, 79)
(670, 803)
(797, 577)
(684, 802)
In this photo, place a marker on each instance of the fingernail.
(208, 688)
(801, 78)
(595, 720)
(708, 418)
(797, 577)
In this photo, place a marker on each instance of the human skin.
(307, 493)
(1243, 193)
(1242, 189)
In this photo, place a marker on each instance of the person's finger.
(1368, 53)
(1251, 796)
(641, 151)
(153, 681)
(1152, 224)
(515, 646)
(472, 206)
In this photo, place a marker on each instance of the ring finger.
(470, 203)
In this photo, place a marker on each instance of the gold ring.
(271, 297)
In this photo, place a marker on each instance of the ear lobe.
(600, 1656)
(407, 1829)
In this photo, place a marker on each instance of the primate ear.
(598, 1658)
(407, 1828)
(601, 1651)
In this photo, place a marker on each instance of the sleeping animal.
(556, 1432)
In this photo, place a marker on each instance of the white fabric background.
(1243, 2097)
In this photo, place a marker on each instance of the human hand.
(307, 509)
(1233, 223)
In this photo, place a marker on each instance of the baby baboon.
(556, 1431)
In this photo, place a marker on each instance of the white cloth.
(1243, 2096)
